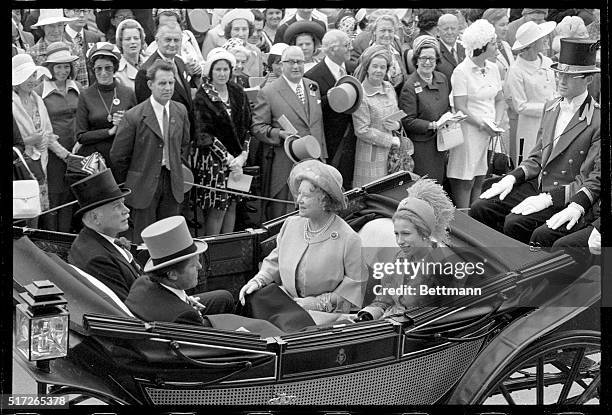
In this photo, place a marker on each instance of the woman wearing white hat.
(52, 22)
(477, 92)
(61, 96)
(274, 66)
(222, 118)
(33, 120)
(530, 81)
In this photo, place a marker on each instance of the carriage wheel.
(563, 368)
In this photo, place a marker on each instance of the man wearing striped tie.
(151, 144)
(299, 100)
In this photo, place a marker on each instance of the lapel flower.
(313, 87)
(417, 84)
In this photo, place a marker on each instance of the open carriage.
(534, 329)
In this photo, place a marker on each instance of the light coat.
(336, 263)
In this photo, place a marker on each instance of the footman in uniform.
(563, 169)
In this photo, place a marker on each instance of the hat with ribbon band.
(169, 242)
(577, 56)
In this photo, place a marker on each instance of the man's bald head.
(293, 63)
(448, 28)
(292, 50)
(336, 46)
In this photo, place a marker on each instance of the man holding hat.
(563, 170)
(151, 144)
(96, 249)
(338, 125)
(299, 100)
(160, 295)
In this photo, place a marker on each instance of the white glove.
(533, 204)
(248, 288)
(395, 141)
(238, 161)
(595, 242)
(571, 214)
(501, 188)
(308, 303)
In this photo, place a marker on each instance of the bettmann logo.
(341, 358)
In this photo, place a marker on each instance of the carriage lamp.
(42, 323)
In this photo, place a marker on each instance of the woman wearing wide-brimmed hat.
(317, 260)
(102, 105)
(35, 127)
(222, 117)
(530, 81)
(307, 36)
(61, 96)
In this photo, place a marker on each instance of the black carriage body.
(120, 359)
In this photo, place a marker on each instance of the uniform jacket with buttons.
(138, 148)
(574, 163)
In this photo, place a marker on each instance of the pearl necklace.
(308, 232)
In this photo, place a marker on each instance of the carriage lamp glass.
(42, 322)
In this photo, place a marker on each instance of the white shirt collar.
(72, 33)
(449, 47)
(575, 102)
(179, 293)
(334, 67)
(171, 60)
(49, 86)
(118, 248)
(294, 85)
(157, 107)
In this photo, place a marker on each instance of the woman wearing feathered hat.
(421, 224)
(317, 259)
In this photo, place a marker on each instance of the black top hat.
(577, 56)
(97, 190)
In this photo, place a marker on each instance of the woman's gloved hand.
(248, 288)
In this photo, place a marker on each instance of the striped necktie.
(300, 93)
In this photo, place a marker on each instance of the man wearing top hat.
(151, 144)
(299, 100)
(563, 169)
(338, 126)
(159, 295)
(96, 249)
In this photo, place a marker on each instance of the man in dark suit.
(338, 127)
(169, 39)
(96, 249)
(151, 144)
(160, 295)
(563, 169)
(300, 14)
(299, 100)
(82, 39)
(452, 52)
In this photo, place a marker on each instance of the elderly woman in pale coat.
(530, 81)
(374, 135)
(317, 260)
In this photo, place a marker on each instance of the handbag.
(498, 163)
(26, 193)
(449, 135)
(400, 158)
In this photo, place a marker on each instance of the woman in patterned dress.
(374, 136)
(222, 122)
